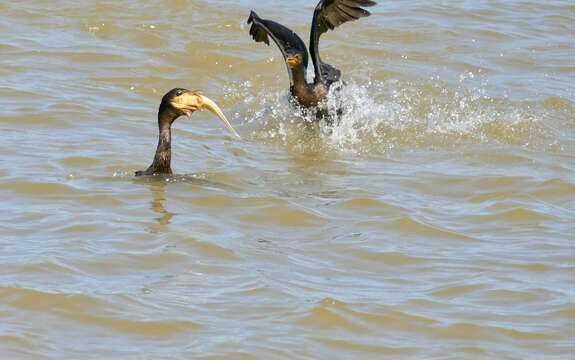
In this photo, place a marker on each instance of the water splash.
(380, 116)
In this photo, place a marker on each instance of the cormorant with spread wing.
(328, 15)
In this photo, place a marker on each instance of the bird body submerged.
(328, 15)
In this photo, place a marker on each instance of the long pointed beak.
(190, 102)
(207, 103)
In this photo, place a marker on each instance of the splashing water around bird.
(380, 116)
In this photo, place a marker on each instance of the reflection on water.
(158, 184)
(158, 190)
(438, 210)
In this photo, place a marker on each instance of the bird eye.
(179, 92)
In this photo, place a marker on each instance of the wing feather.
(332, 13)
(286, 40)
(328, 15)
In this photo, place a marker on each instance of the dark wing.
(328, 15)
(287, 40)
(329, 73)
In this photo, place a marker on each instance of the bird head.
(180, 102)
(295, 59)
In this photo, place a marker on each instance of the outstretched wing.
(328, 15)
(285, 39)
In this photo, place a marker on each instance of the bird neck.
(300, 84)
(163, 157)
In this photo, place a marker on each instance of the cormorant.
(175, 103)
(328, 15)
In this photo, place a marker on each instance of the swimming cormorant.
(175, 103)
(328, 15)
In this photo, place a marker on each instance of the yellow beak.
(293, 61)
(190, 102)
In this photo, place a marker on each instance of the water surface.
(434, 221)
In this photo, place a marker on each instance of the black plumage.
(328, 15)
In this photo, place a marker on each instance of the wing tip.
(253, 16)
(256, 30)
(365, 13)
(366, 3)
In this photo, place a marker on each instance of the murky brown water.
(436, 221)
